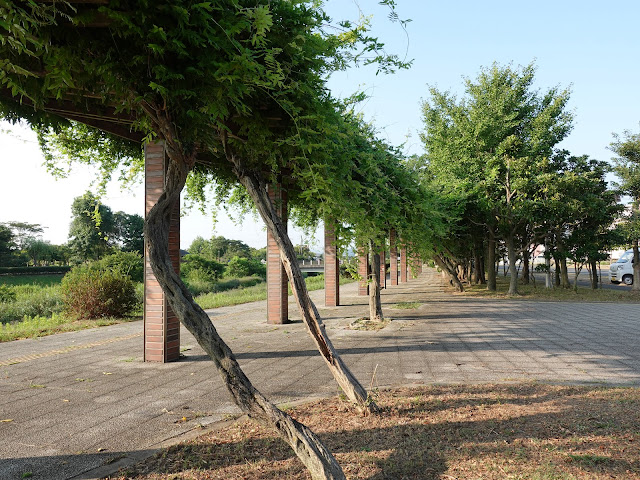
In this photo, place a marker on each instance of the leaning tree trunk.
(375, 304)
(309, 449)
(257, 190)
(451, 271)
(511, 253)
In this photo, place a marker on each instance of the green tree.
(40, 252)
(492, 144)
(128, 232)
(627, 168)
(582, 209)
(232, 86)
(220, 249)
(7, 245)
(91, 226)
(24, 232)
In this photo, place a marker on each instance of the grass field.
(493, 432)
(538, 292)
(37, 309)
(40, 280)
(254, 293)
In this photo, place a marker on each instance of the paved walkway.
(78, 405)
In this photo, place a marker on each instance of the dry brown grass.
(529, 431)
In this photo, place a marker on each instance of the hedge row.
(34, 270)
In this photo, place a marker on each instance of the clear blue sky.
(589, 46)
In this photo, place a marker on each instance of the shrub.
(126, 263)
(206, 267)
(199, 281)
(91, 293)
(7, 294)
(244, 267)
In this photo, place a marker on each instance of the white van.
(622, 270)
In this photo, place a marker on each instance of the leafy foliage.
(243, 267)
(194, 262)
(129, 264)
(486, 153)
(92, 293)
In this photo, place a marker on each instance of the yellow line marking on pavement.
(71, 348)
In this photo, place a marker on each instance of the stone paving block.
(474, 341)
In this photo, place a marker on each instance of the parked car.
(622, 269)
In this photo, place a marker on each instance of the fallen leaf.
(6, 420)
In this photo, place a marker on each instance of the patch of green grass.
(236, 296)
(589, 460)
(30, 327)
(407, 305)
(538, 292)
(41, 280)
(254, 293)
(31, 300)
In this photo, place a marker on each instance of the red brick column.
(403, 265)
(393, 258)
(363, 271)
(161, 326)
(383, 269)
(331, 267)
(277, 294)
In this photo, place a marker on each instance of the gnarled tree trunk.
(375, 304)
(451, 270)
(256, 188)
(309, 449)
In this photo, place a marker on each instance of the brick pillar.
(277, 294)
(161, 326)
(363, 271)
(393, 258)
(331, 267)
(403, 265)
(383, 269)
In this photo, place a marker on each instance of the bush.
(209, 268)
(244, 267)
(6, 294)
(126, 263)
(91, 293)
(199, 281)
